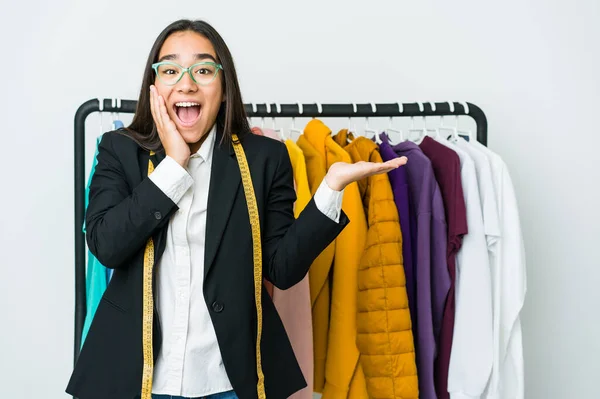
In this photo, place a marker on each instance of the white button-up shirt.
(471, 354)
(509, 282)
(190, 363)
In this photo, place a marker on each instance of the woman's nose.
(186, 84)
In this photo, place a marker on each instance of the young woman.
(173, 178)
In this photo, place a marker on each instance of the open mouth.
(188, 113)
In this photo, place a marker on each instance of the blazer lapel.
(225, 180)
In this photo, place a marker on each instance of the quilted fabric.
(384, 330)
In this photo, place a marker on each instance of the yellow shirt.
(303, 194)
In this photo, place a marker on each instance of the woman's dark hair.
(231, 118)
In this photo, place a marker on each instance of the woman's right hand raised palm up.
(172, 141)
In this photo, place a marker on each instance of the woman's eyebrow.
(202, 56)
(199, 56)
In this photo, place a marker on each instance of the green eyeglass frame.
(188, 70)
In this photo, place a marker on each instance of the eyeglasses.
(203, 73)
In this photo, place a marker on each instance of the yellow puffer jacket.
(344, 377)
(385, 338)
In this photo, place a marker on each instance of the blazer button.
(157, 215)
(217, 307)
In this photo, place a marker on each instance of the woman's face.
(188, 48)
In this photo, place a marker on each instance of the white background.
(532, 66)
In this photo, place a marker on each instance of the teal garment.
(97, 275)
(117, 124)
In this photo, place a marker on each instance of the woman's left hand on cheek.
(340, 174)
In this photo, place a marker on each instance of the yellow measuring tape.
(148, 305)
(257, 249)
(147, 313)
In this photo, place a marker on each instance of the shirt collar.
(206, 149)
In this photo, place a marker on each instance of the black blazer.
(126, 208)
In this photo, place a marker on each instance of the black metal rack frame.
(254, 110)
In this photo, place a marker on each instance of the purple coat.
(399, 181)
(431, 277)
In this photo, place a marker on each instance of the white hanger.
(451, 130)
(253, 112)
(116, 103)
(119, 106)
(420, 132)
(390, 129)
(293, 129)
(466, 133)
(100, 109)
(352, 129)
(112, 113)
(319, 109)
(434, 131)
(412, 128)
(424, 130)
(262, 118)
(367, 128)
(279, 130)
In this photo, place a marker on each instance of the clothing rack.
(274, 110)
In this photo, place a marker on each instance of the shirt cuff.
(329, 201)
(171, 178)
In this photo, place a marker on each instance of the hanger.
(293, 129)
(466, 133)
(434, 131)
(352, 128)
(319, 109)
(112, 113)
(116, 103)
(278, 130)
(253, 112)
(100, 109)
(452, 131)
(369, 130)
(119, 107)
(422, 132)
(390, 129)
(262, 118)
